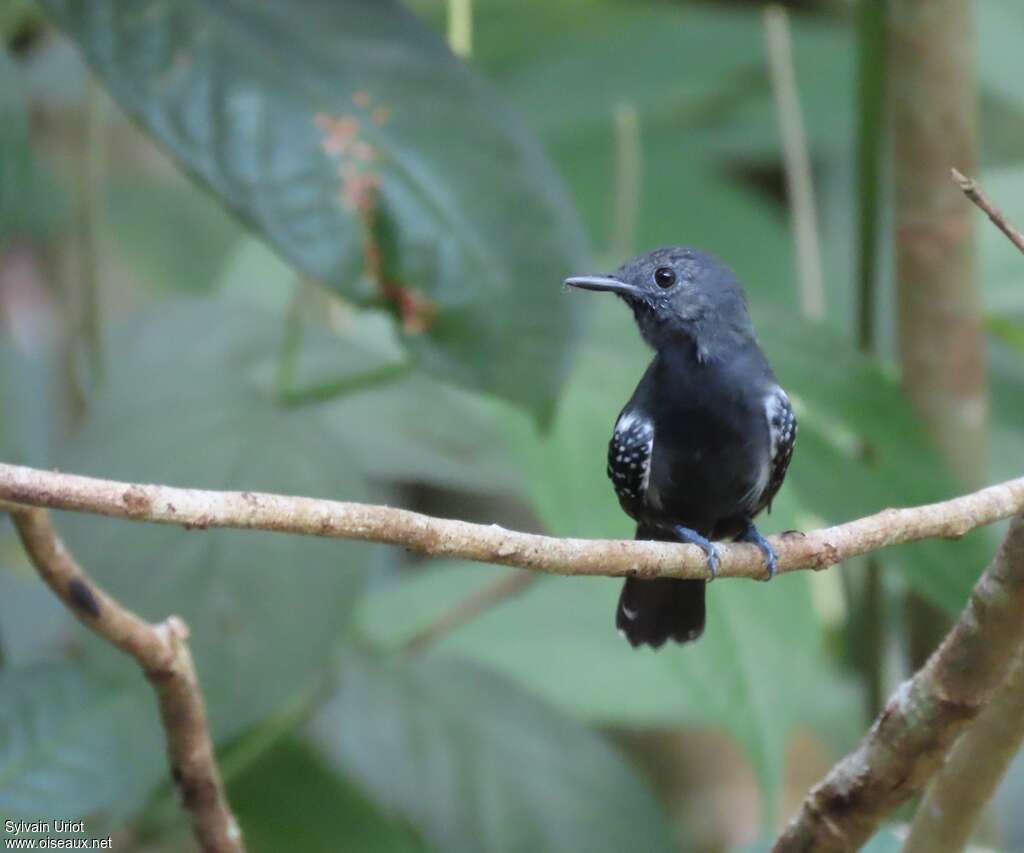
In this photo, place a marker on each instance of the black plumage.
(703, 444)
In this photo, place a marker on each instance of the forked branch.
(162, 653)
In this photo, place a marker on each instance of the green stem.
(866, 632)
(460, 27)
(871, 96)
(87, 227)
(628, 178)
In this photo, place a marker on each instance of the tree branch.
(909, 740)
(440, 537)
(976, 194)
(162, 652)
(968, 780)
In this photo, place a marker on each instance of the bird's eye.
(664, 277)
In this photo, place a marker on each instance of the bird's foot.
(753, 535)
(692, 537)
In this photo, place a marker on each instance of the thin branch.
(441, 537)
(162, 652)
(460, 27)
(976, 194)
(629, 169)
(958, 794)
(467, 609)
(910, 738)
(797, 162)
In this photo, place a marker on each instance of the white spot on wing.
(778, 415)
(780, 419)
(632, 447)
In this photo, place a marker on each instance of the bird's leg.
(751, 534)
(692, 537)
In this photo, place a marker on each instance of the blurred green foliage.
(228, 366)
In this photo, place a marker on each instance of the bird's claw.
(692, 537)
(712, 553)
(771, 559)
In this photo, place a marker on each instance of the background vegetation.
(354, 293)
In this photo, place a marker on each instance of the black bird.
(703, 444)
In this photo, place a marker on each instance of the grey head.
(680, 296)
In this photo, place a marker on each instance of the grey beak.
(602, 282)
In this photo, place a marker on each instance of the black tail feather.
(653, 611)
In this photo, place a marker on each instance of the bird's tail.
(653, 611)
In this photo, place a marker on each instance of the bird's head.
(678, 295)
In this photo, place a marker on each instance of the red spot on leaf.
(415, 311)
(337, 132)
(358, 192)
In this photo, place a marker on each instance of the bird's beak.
(602, 282)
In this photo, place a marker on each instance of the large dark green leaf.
(402, 424)
(702, 65)
(289, 800)
(290, 111)
(71, 745)
(477, 764)
(191, 400)
(759, 672)
(184, 405)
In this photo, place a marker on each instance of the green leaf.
(402, 425)
(172, 235)
(849, 402)
(477, 764)
(190, 401)
(71, 745)
(293, 115)
(702, 65)
(418, 429)
(759, 671)
(289, 800)
(183, 405)
(657, 58)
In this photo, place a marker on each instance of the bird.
(705, 441)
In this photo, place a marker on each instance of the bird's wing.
(782, 429)
(629, 456)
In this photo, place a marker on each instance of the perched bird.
(703, 444)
